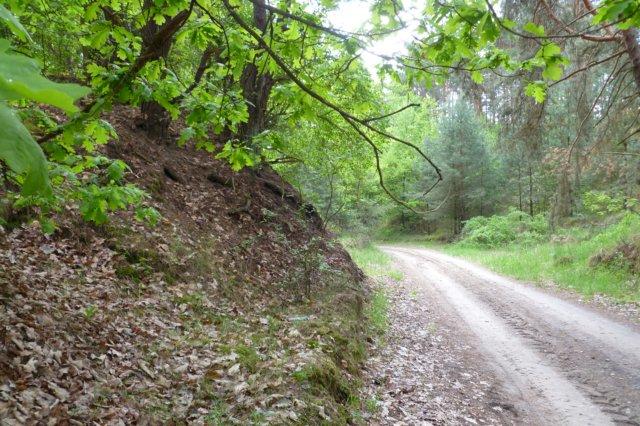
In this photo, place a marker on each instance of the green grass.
(377, 311)
(373, 261)
(565, 262)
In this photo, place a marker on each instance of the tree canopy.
(255, 82)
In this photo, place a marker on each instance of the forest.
(221, 184)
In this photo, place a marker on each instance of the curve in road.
(560, 362)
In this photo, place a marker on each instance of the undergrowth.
(323, 333)
(500, 230)
(569, 258)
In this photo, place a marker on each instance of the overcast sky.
(352, 15)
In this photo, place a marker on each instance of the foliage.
(474, 36)
(601, 203)
(142, 54)
(566, 259)
(48, 183)
(20, 80)
(500, 230)
(277, 84)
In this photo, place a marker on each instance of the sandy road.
(557, 362)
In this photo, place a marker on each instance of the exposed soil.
(549, 360)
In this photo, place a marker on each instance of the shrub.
(500, 230)
(627, 226)
(600, 203)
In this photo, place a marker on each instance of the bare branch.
(381, 117)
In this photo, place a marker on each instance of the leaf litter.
(424, 373)
(201, 320)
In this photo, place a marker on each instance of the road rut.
(556, 361)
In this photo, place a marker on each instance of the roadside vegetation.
(373, 261)
(377, 266)
(594, 253)
(600, 258)
(598, 253)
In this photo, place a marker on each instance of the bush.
(601, 204)
(626, 227)
(498, 230)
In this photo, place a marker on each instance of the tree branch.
(151, 53)
(380, 117)
(352, 120)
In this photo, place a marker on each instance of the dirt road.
(548, 361)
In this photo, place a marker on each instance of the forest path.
(467, 346)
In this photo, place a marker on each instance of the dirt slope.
(553, 361)
(218, 315)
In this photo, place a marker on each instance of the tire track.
(572, 376)
(591, 368)
(562, 350)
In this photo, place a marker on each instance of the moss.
(134, 272)
(328, 376)
(195, 302)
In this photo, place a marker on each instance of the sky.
(352, 15)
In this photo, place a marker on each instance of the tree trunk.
(256, 86)
(633, 50)
(530, 191)
(577, 181)
(256, 89)
(562, 206)
(520, 188)
(483, 191)
(155, 119)
(403, 224)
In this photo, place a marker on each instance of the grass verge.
(374, 262)
(566, 260)
(377, 265)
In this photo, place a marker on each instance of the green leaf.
(552, 72)
(186, 135)
(238, 156)
(508, 23)
(148, 215)
(116, 170)
(611, 10)
(477, 77)
(550, 50)
(14, 24)
(47, 225)
(99, 38)
(537, 90)
(22, 154)
(20, 78)
(91, 12)
(159, 19)
(534, 29)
